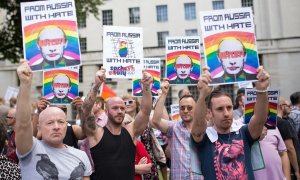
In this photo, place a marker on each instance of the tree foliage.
(11, 46)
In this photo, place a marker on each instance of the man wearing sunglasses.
(113, 146)
(178, 133)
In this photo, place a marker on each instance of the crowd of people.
(130, 138)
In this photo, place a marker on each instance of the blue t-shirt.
(229, 157)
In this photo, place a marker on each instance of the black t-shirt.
(288, 132)
(227, 158)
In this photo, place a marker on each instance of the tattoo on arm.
(90, 99)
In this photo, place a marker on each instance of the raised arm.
(261, 109)
(78, 132)
(157, 121)
(142, 118)
(23, 128)
(88, 122)
(200, 124)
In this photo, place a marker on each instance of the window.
(191, 32)
(82, 21)
(80, 76)
(247, 3)
(107, 18)
(190, 11)
(219, 4)
(82, 44)
(162, 13)
(161, 37)
(134, 15)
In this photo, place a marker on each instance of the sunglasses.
(189, 108)
(129, 102)
(9, 117)
(288, 105)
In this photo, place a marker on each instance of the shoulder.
(218, 80)
(250, 76)
(70, 62)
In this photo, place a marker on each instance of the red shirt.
(140, 153)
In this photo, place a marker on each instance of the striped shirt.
(179, 140)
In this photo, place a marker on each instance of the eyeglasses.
(189, 108)
(9, 117)
(129, 102)
(288, 105)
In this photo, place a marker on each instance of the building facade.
(277, 31)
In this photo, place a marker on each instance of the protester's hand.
(42, 104)
(165, 86)
(100, 76)
(143, 160)
(24, 72)
(263, 79)
(77, 103)
(203, 81)
(147, 78)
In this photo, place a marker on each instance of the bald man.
(232, 56)
(183, 67)
(52, 44)
(48, 158)
(113, 146)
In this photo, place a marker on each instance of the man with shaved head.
(48, 158)
(113, 146)
(52, 43)
(232, 56)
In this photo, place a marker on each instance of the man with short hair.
(113, 146)
(289, 136)
(52, 43)
(61, 86)
(295, 110)
(183, 67)
(224, 154)
(48, 158)
(232, 56)
(178, 133)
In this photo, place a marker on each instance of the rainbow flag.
(183, 46)
(49, 18)
(106, 91)
(152, 66)
(71, 72)
(250, 100)
(229, 24)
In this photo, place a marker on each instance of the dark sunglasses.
(288, 105)
(128, 102)
(189, 108)
(9, 117)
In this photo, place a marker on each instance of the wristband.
(261, 91)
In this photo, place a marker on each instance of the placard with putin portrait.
(230, 45)
(60, 86)
(152, 66)
(183, 59)
(250, 100)
(50, 34)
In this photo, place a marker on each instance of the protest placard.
(152, 66)
(230, 45)
(183, 59)
(60, 86)
(175, 112)
(50, 35)
(123, 51)
(11, 92)
(250, 100)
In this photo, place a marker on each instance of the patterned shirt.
(8, 169)
(179, 139)
(295, 116)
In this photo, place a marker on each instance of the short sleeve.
(244, 129)
(170, 128)
(281, 146)
(87, 164)
(34, 146)
(285, 130)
